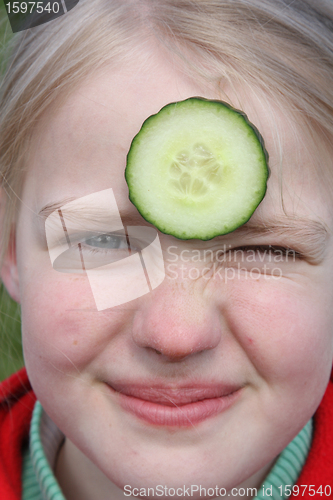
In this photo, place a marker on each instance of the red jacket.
(17, 401)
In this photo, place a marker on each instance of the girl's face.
(255, 344)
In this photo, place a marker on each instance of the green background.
(11, 358)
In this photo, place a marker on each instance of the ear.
(9, 272)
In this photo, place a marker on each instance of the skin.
(271, 337)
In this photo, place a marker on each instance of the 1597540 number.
(310, 490)
(29, 7)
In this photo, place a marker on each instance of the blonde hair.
(283, 47)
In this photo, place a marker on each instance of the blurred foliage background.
(11, 358)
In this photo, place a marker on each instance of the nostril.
(155, 351)
(171, 356)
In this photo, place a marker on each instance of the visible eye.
(107, 242)
(91, 251)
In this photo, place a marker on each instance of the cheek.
(62, 330)
(285, 329)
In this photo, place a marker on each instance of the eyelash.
(272, 249)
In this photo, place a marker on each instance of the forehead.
(81, 147)
(92, 132)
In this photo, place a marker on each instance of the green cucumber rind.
(145, 213)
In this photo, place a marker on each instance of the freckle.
(75, 342)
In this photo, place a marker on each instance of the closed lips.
(174, 407)
(175, 396)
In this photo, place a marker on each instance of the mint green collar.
(39, 482)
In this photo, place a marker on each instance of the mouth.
(181, 406)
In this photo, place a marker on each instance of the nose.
(176, 322)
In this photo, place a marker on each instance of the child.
(215, 382)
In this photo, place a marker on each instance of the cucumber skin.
(146, 215)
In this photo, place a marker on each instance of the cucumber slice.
(197, 169)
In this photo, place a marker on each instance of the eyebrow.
(52, 207)
(297, 225)
(309, 235)
(81, 213)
